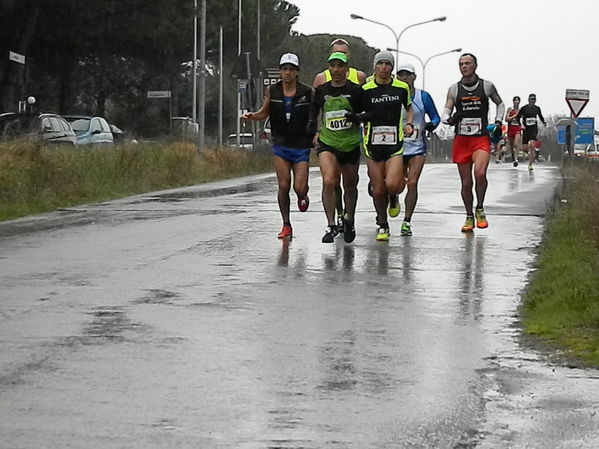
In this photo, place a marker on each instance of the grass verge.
(561, 306)
(36, 178)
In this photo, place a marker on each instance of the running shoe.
(286, 232)
(349, 231)
(383, 233)
(303, 203)
(330, 233)
(394, 207)
(515, 163)
(468, 225)
(481, 218)
(406, 228)
(530, 167)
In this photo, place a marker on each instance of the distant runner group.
(345, 114)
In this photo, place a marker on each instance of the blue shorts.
(294, 155)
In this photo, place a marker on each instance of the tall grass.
(562, 304)
(36, 178)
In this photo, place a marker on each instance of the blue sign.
(585, 130)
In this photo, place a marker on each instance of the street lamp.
(395, 35)
(424, 63)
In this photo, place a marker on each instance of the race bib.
(531, 121)
(384, 135)
(470, 127)
(414, 135)
(336, 121)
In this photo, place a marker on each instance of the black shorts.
(530, 133)
(406, 158)
(351, 157)
(382, 153)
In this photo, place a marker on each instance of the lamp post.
(395, 35)
(424, 63)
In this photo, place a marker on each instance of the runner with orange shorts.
(472, 146)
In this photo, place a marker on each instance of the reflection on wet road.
(179, 320)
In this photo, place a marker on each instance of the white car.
(91, 130)
(246, 141)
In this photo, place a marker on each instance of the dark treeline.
(102, 56)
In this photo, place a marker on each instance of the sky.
(522, 46)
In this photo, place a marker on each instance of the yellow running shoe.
(394, 207)
(481, 218)
(383, 234)
(468, 225)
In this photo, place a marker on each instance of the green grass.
(35, 178)
(561, 306)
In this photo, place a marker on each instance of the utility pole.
(220, 89)
(194, 103)
(202, 124)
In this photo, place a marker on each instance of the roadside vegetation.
(561, 305)
(36, 178)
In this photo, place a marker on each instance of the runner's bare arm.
(361, 77)
(319, 80)
(449, 104)
(499, 102)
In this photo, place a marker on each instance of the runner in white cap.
(287, 103)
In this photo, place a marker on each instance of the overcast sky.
(522, 46)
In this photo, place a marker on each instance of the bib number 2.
(384, 135)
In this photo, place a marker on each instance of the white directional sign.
(577, 99)
(159, 94)
(16, 57)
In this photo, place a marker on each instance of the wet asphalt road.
(178, 319)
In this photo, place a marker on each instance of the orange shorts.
(464, 147)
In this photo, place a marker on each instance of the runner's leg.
(331, 177)
(480, 158)
(414, 167)
(465, 171)
(380, 197)
(350, 187)
(283, 171)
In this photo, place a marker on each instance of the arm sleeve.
(541, 116)
(430, 109)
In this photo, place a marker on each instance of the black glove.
(354, 118)
(430, 127)
(454, 119)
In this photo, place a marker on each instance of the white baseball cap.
(406, 67)
(289, 58)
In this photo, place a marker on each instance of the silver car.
(91, 130)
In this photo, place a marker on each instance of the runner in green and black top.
(383, 135)
(357, 76)
(338, 144)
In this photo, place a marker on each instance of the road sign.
(16, 57)
(577, 99)
(585, 130)
(272, 76)
(159, 94)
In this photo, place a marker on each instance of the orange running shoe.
(286, 232)
(469, 224)
(481, 218)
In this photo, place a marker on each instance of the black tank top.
(472, 107)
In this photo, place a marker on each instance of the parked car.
(91, 130)
(246, 141)
(47, 127)
(121, 136)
